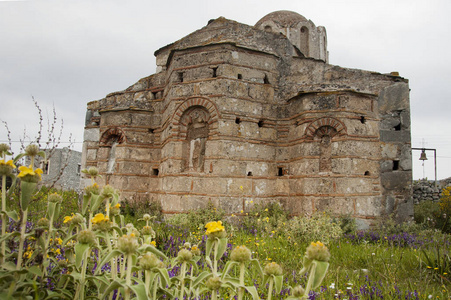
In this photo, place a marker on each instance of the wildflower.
(55, 198)
(185, 255)
(317, 251)
(153, 243)
(99, 218)
(94, 189)
(43, 222)
(93, 172)
(32, 150)
(6, 167)
(148, 261)
(195, 250)
(213, 283)
(273, 269)
(128, 243)
(147, 217)
(215, 229)
(86, 237)
(4, 149)
(29, 175)
(240, 254)
(147, 230)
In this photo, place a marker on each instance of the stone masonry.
(240, 114)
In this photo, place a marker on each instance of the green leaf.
(306, 265)
(209, 246)
(80, 250)
(228, 266)
(107, 258)
(96, 200)
(165, 281)
(278, 282)
(12, 214)
(201, 277)
(27, 190)
(152, 249)
(42, 154)
(140, 291)
(118, 283)
(320, 273)
(253, 291)
(254, 262)
(51, 207)
(86, 202)
(222, 247)
(35, 270)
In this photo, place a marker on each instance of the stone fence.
(426, 189)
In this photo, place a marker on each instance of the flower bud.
(240, 254)
(115, 210)
(62, 263)
(148, 261)
(298, 291)
(6, 168)
(77, 219)
(273, 269)
(55, 198)
(32, 150)
(108, 191)
(195, 250)
(213, 283)
(92, 172)
(317, 251)
(92, 189)
(128, 244)
(185, 255)
(4, 148)
(86, 237)
(43, 222)
(147, 217)
(147, 230)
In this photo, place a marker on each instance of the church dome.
(283, 18)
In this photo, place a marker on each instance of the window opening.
(155, 171)
(367, 173)
(362, 120)
(397, 127)
(265, 79)
(249, 173)
(240, 76)
(215, 72)
(237, 120)
(180, 74)
(395, 165)
(151, 130)
(260, 123)
(279, 171)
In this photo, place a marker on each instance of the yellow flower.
(154, 243)
(67, 219)
(99, 218)
(24, 171)
(214, 227)
(8, 163)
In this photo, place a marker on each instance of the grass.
(390, 267)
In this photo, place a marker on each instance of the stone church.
(242, 115)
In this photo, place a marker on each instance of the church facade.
(239, 115)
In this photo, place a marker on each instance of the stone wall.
(238, 115)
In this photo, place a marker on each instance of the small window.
(265, 79)
(180, 75)
(215, 72)
(280, 171)
(78, 169)
(367, 173)
(249, 173)
(260, 123)
(45, 167)
(154, 95)
(362, 120)
(240, 76)
(155, 171)
(397, 127)
(151, 130)
(237, 120)
(395, 165)
(268, 28)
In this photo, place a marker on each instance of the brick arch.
(110, 134)
(179, 125)
(336, 124)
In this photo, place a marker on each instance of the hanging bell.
(423, 155)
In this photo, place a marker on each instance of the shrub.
(317, 227)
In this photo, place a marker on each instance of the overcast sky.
(67, 53)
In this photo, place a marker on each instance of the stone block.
(91, 135)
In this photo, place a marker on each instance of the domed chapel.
(242, 115)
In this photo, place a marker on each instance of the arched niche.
(109, 140)
(195, 123)
(304, 40)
